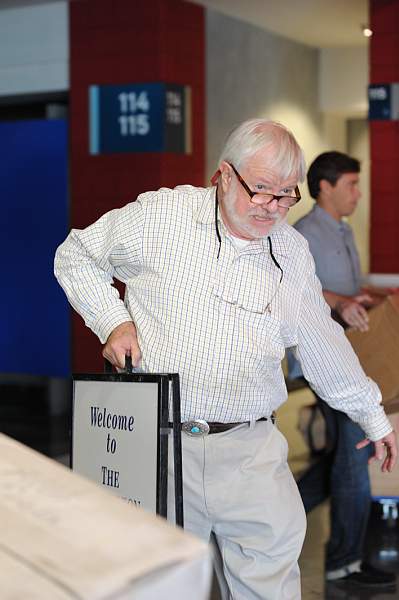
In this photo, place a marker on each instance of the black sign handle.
(108, 366)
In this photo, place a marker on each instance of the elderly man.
(217, 286)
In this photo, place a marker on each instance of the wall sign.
(147, 117)
(384, 102)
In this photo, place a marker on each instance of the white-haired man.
(217, 286)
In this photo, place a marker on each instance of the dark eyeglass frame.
(251, 194)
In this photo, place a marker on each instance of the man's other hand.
(121, 342)
(353, 312)
(386, 449)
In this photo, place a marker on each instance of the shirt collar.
(280, 241)
(206, 207)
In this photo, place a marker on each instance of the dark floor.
(382, 551)
(27, 415)
(37, 412)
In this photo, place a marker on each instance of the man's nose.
(270, 205)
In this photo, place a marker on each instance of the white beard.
(241, 225)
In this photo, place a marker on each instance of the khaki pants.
(238, 485)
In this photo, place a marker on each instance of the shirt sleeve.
(331, 366)
(89, 259)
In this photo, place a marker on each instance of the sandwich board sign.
(120, 435)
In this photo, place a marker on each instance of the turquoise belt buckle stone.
(195, 428)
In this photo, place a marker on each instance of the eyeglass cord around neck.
(220, 239)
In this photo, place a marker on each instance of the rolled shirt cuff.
(376, 426)
(110, 319)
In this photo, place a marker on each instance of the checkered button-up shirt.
(222, 320)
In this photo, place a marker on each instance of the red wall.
(128, 41)
(384, 141)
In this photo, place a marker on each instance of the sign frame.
(168, 401)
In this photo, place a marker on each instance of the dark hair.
(329, 166)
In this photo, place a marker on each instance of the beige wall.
(255, 73)
(343, 81)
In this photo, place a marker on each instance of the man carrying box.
(341, 474)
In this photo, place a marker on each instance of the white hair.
(286, 156)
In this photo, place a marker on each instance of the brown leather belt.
(220, 427)
(199, 427)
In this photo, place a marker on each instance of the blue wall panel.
(34, 315)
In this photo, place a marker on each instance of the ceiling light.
(367, 32)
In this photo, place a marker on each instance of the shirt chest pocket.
(248, 284)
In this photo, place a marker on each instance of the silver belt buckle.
(195, 428)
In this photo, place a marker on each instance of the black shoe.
(369, 577)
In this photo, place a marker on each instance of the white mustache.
(264, 215)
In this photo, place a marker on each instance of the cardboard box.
(378, 352)
(65, 537)
(385, 484)
(378, 349)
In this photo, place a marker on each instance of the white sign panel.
(115, 438)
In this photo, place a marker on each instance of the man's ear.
(225, 175)
(325, 187)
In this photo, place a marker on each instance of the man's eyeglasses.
(286, 201)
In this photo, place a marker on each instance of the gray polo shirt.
(333, 248)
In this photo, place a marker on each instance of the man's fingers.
(387, 465)
(362, 444)
(360, 323)
(389, 461)
(392, 452)
(115, 357)
(363, 298)
(363, 326)
(121, 342)
(361, 318)
(386, 450)
(135, 353)
(356, 316)
(379, 450)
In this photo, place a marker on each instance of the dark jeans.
(341, 473)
